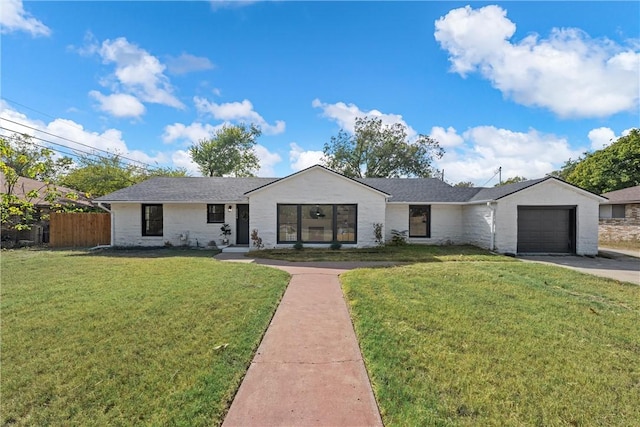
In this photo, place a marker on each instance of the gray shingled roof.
(417, 190)
(631, 194)
(495, 193)
(208, 190)
(187, 189)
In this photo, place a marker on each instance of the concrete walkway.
(308, 370)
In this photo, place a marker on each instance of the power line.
(75, 150)
(48, 148)
(494, 175)
(64, 122)
(70, 140)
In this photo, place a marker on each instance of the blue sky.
(518, 85)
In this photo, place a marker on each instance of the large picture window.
(152, 220)
(215, 213)
(419, 221)
(317, 223)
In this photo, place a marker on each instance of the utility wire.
(494, 175)
(57, 150)
(63, 122)
(75, 150)
(75, 142)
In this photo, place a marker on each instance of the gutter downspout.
(492, 206)
(113, 222)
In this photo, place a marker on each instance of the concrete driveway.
(611, 263)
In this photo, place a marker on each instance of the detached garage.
(547, 229)
(544, 216)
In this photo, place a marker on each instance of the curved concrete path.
(308, 370)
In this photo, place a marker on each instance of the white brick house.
(317, 206)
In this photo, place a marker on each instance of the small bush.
(335, 245)
(257, 240)
(377, 233)
(298, 246)
(398, 237)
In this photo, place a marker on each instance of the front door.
(242, 225)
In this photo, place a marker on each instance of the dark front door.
(242, 225)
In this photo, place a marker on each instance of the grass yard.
(493, 344)
(406, 253)
(131, 337)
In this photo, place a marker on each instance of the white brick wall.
(549, 193)
(476, 225)
(449, 223)
(315, 186)
(446, 223)
(187, 218)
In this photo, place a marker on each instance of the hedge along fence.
(68, 230)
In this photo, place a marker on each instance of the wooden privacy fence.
(79, 229)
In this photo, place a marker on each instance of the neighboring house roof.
(25, 185)
(224, 189)
(626, 195)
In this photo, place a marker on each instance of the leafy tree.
(229, 151)
(27, 159)
(612, 168)
(380, 151)
(104, 175)
(19, 157)
(511, 180)
(568, 167)
(464, 184)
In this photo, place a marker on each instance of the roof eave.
(262, 187)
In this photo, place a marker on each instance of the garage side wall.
(548, 193)
(476, 225)
(315, 187)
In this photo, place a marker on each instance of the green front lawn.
(406, 253)
(492, 344)
(130, 337)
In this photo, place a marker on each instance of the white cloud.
(601, 137)
(568, 73)
(191, 133)
(110, 140)
(302, 159)
(14, 18)
(268, 160)
(346, 114)
(119, 104)
(187, 63)
(182, 159)
(137, 74)
(238, 112)
(531, 154)
(446, 137)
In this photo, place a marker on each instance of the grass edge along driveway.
(498, 343)
(122, 338)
